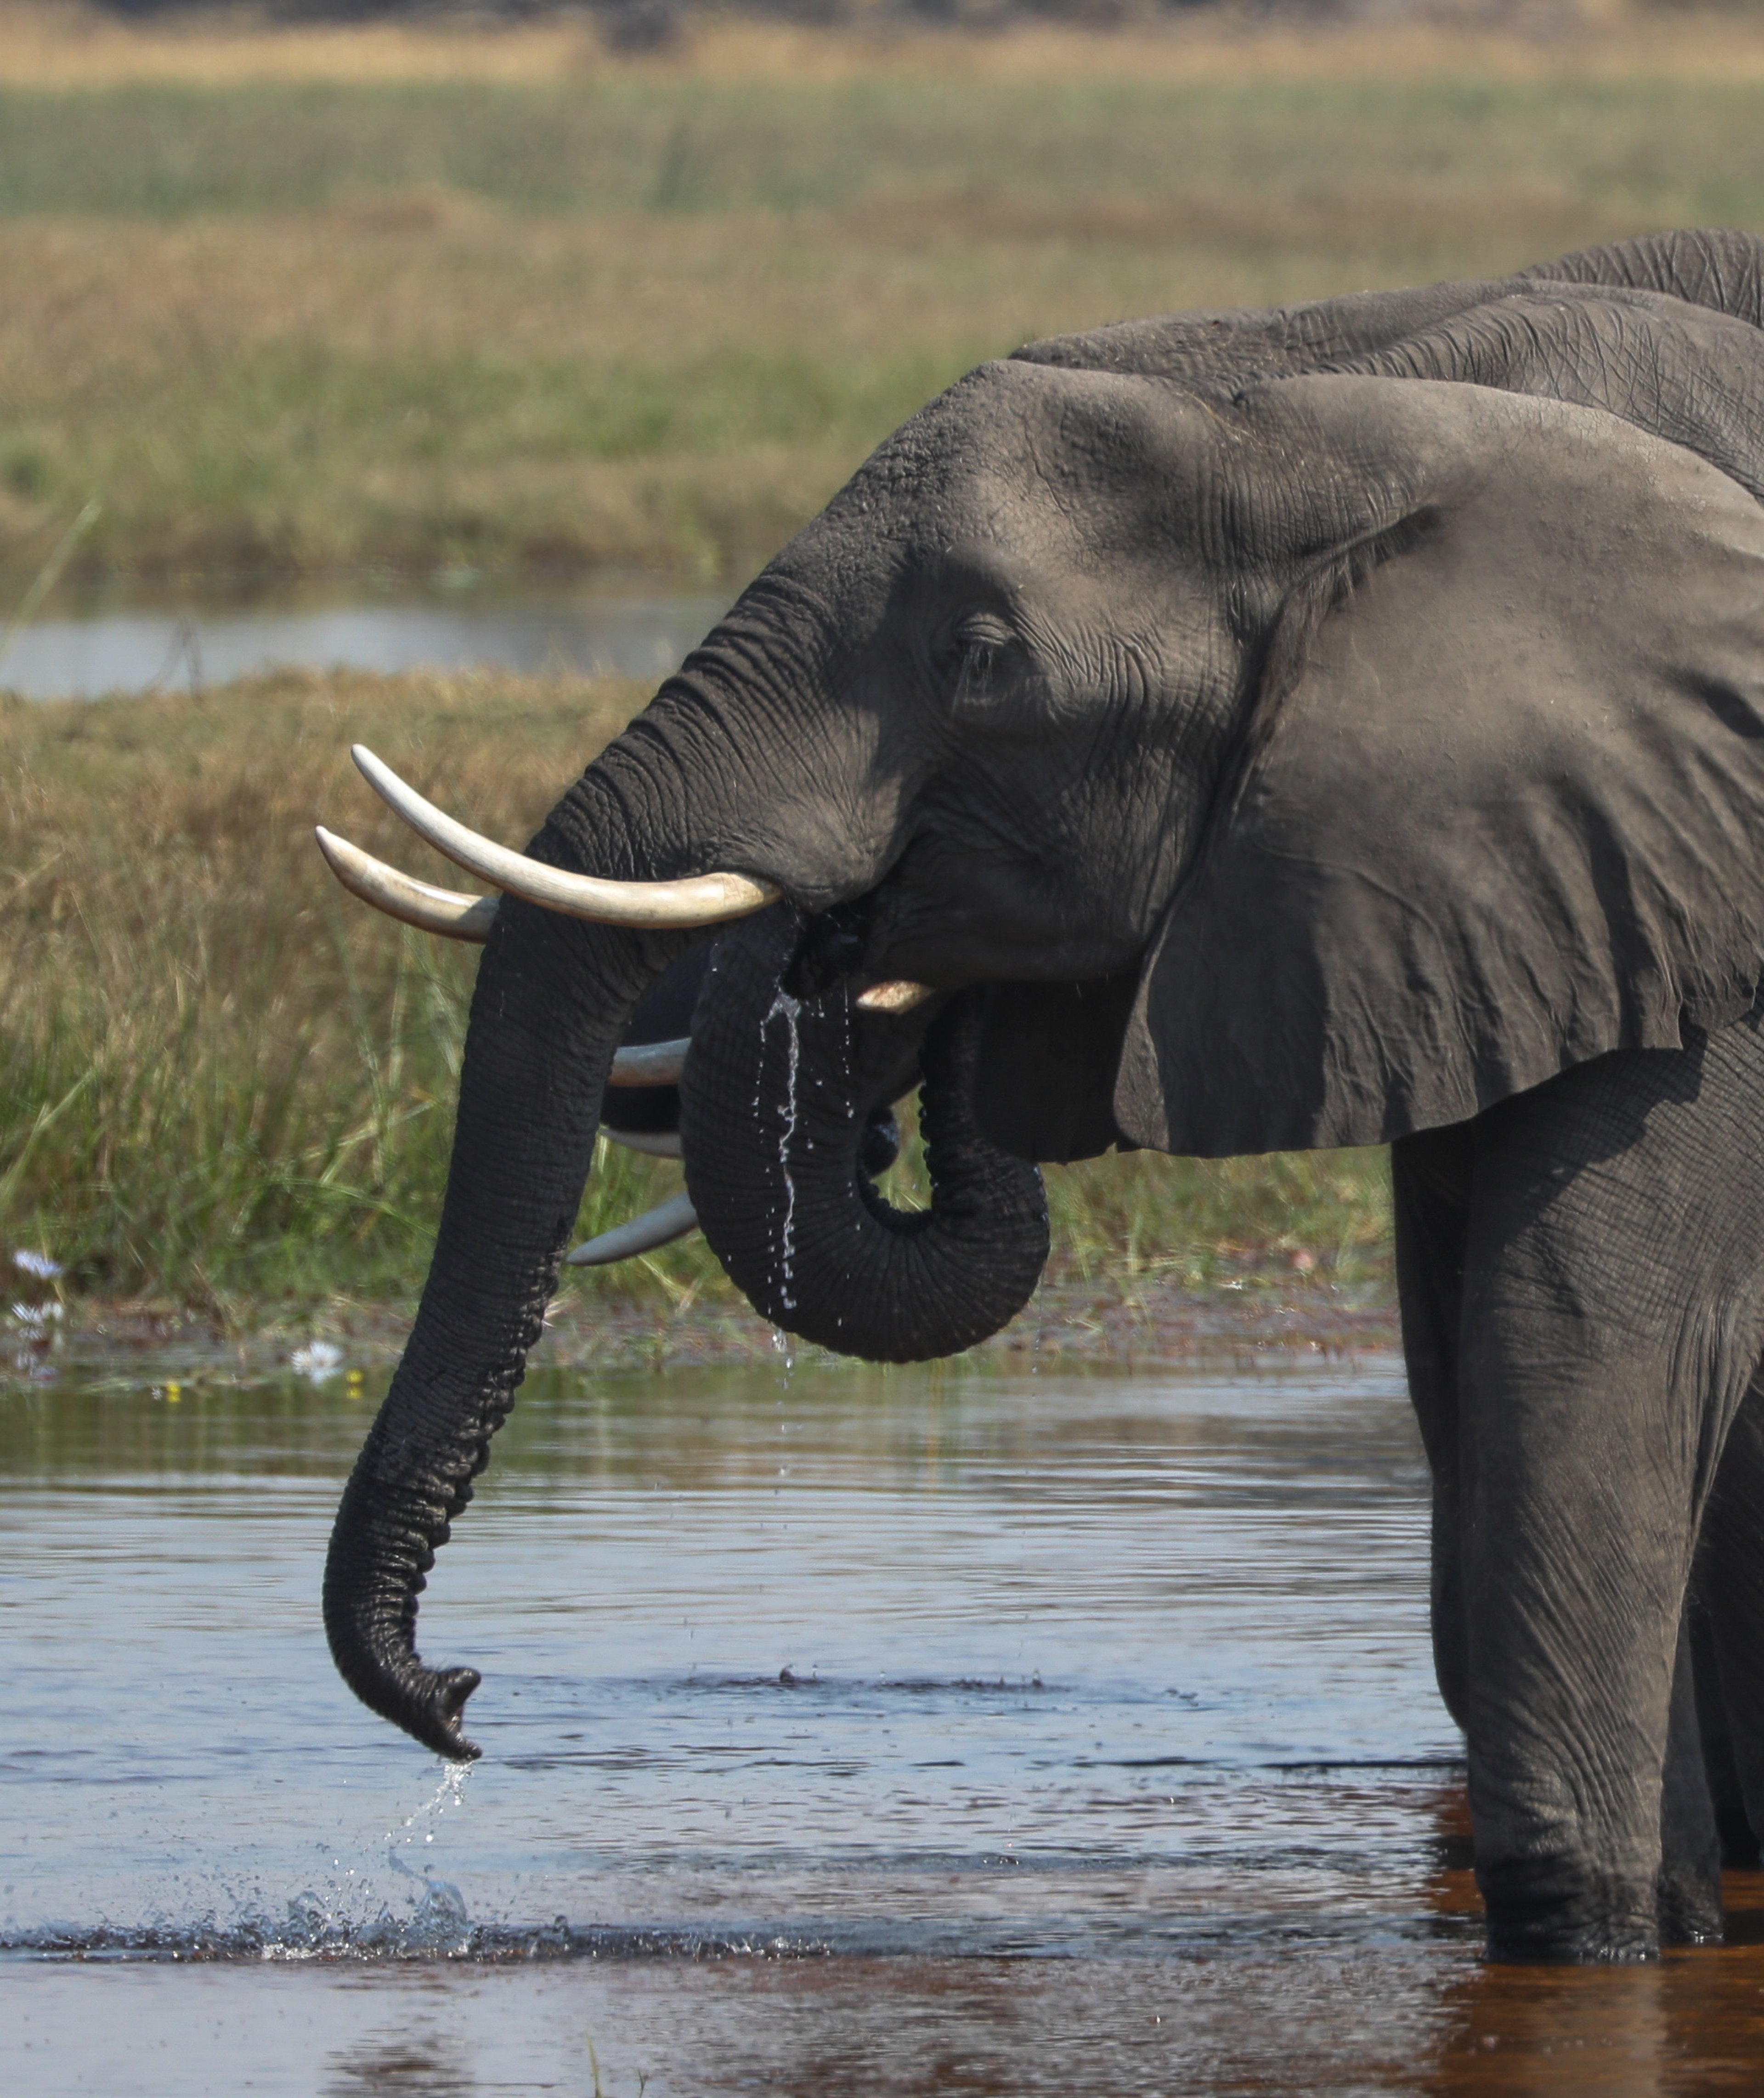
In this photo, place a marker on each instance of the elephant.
(1222, 733)
(642, 1108)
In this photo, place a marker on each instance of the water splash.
(440, 1908)
(308, 1931)
(422, 1821)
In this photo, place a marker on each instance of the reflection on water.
(641, 634)
(921, 1733)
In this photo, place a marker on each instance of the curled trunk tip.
(382, 1547)
(775, 1110)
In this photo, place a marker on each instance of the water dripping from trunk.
(783, 1006)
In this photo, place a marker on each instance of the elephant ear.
(1502, 811)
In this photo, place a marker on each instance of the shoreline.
(1070, 1327)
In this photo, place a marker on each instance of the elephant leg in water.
(1577, 1435)
(1727, 1629)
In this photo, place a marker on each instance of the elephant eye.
(978, 646)
(973, 681)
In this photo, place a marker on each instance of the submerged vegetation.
(226, 1084)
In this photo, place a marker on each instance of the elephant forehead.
(1014, 447)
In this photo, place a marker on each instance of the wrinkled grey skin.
(1332, 725)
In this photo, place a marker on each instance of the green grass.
(1638, 146)
(224, 1084)
(227, 1087)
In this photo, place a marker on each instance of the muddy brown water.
(921, 1733)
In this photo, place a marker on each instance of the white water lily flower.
(318, 1358)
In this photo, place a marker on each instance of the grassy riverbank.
(228, 1088)
(327, 299)
(336, 299)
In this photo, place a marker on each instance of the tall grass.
(222, 1079)
(225, 1085)
(694, 143)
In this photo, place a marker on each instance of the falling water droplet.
(785, 1007)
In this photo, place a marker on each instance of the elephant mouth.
(785, 1101)
(643, 1109)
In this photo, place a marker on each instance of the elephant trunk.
(688, 787)
(552, 998)
(774, 1105)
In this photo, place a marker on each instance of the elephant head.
(1220, 734)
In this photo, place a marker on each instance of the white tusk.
(898, 997)
(653, 1064)
(702, 899)
(653, 1143)
(419, 903)
(658, 1227)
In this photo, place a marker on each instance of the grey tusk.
(419, 903)
(653, 1064)
(653, 1143)
(658, 1227)
(898, 997)
(701, 899)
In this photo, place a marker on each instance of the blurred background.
(435, 376)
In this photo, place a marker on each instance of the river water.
(640, 632)
(845, 1732)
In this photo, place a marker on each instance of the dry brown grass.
(314, 298)
(413, 381)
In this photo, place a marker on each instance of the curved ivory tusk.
(899, 996)
(701, 899)
(651, 1064)
(419, 903)
(653, 1143)
(658, 1227)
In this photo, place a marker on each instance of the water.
(640, 634)
(929, 1733)
(785, 1007)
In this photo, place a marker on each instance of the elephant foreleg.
(1611, 1316)
(1430, 1176)
(1689, 1886)
(1729, 1628)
